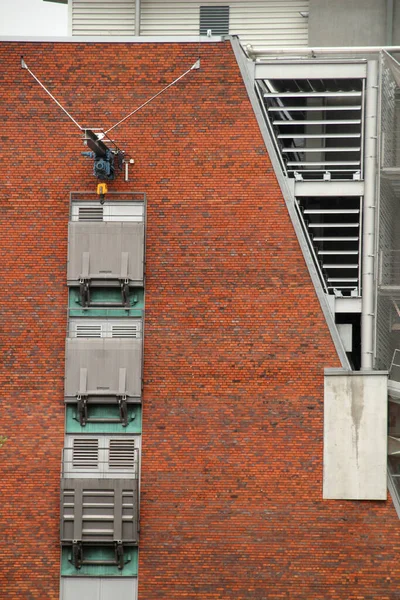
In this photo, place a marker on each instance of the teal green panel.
(100, 553)
(104, 411)
(103, 295)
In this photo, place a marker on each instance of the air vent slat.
(85, 453)
(90, 213)
(121, 454)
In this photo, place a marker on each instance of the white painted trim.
(159, 39)
(308, 70)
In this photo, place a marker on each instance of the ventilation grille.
(215, 18)
(94, 212)
(100, 457)
(85, 453)
(126, 331)
(90, 213)
(121, 454)
(88, 331)
(131, 329)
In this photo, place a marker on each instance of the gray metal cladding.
(98, 588)
(104, 366)
(105, 251)
(99, 510)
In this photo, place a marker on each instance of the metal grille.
(215, 19)
(388, 115)
(387, 328)
(99, 456)
(87, 330)
(116, 212)
(132, 330)
(121, 454)
(85, 453)
(90, 213)
(81, 328)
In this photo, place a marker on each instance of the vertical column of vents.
(317, 126)
(99, 489)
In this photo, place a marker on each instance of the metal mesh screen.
(388, 284)
(388, 115)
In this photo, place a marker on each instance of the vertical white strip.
(138, 9)
(367, 312)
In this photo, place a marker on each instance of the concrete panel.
(355, 435)
(344, 23)
(96, 588)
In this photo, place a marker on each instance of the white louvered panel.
(87, 330)
(103, 17)
(121, 453)
(131, 329)
(257, 22)
(93, 328)
(85, 453)
(101, 456)
(110, 211)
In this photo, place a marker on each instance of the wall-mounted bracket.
(83, 396)
(85, 300)
(77, 554)
(78, 559)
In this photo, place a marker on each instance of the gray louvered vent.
(215, 18)
(85, 453)
(121, 454)
(90, 213)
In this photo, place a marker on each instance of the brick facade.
(235, 340)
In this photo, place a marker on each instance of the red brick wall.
(235, 340)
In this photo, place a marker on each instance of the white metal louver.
(87, 330)
(102, 17)
(121, 453)
(101, 456)
(109, 211)
(257, 22)
(85, 453)
(94, 328)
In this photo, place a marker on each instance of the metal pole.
(305, 51)
(368, 259)
(137, 17)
